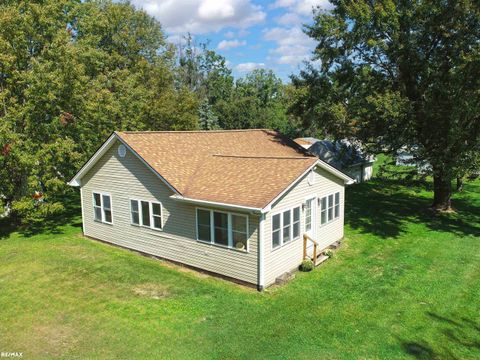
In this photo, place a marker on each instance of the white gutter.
(214, 203)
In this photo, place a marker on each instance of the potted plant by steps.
(306, 265)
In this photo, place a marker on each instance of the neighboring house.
(341, 155)
(235, 203)
(406, 157)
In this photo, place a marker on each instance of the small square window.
(102, 208)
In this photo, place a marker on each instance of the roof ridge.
(191, 131)
(266, 157)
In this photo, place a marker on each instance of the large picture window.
(285, 227)
(330, 208)
(146, 213)
(102, 207)
(223, 228)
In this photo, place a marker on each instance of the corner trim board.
(261, 251)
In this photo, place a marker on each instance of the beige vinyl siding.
(126, 178)
(289, 256)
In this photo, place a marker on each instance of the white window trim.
(103, 221)
(230, 230)
(332, 207)
(292, 239)
(140, 214)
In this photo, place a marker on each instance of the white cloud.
(282, 3)
(293, 45)
(249, 66)
(302, 7)
(289, 18)
(202, 16)
(229, 44)
(229, 34)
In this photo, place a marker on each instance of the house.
(235, 203)
(342, 155)
(406, 156)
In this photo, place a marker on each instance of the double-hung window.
(330, 208)
(276, 230)
(102, 207)
(308, 214)
(296, 222)
(222, 228)
(337, 205)
(146, 213)
(323, 210)
(285, 227)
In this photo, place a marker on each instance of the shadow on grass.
(51, 225)
(385, 207)
(461, 333)
(419, 351)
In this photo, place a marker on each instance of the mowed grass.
(404, 284)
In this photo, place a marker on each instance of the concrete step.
(321, 258)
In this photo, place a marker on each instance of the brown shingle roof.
(240, 167)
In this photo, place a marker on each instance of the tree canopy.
(71, 72)
(398, 74)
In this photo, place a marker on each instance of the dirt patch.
(153, 291)
(54, 339)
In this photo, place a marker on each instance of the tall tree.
(399, 73)
(71, 72)
(203, 71)
(258, 100)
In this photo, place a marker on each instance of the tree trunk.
(442, 193)
(459, 183)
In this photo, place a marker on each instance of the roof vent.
(311, 177)
(122, 150)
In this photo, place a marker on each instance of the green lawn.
(405, 284)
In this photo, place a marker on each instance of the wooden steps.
(321, 259)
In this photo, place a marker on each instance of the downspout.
(261, 270)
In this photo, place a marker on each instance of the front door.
(311, 222)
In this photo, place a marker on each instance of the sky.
(250, 34)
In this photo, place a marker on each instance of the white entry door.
(311, 222)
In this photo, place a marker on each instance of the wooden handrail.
(315, 244)
(309, 238)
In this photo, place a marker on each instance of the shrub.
(306, 265)
(328, 253)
